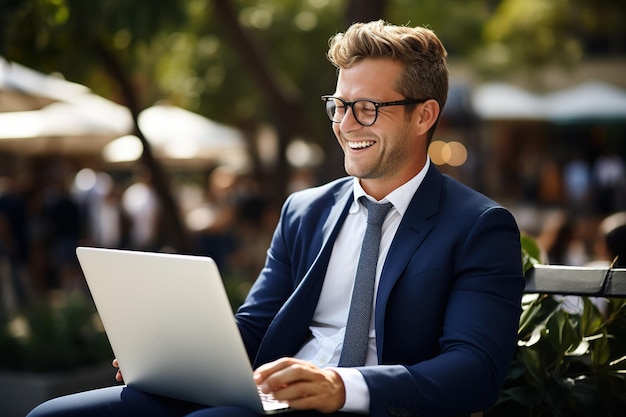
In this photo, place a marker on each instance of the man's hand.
(118, 374)
(302, 385)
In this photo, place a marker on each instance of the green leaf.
(524, 395)
(601, 352)
(536, 371)
(531, 252)
(591, 319)
(561, 333)
(535, 313)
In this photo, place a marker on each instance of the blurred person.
(577, 184)
(530, 170)
(610, 245)
(218, 239)
(448, 278)
(609, 183)
(561, 237)
(609, 249)
(13, 246)
(141, 205)
(550, 185)
(107, 219)
(99, 197)
(63, 228)
(610, 252)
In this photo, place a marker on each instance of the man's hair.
(418, 48)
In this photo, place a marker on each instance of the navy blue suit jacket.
(448, 301)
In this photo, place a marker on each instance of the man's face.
(391, 151)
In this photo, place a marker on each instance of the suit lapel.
(415, 226)
(294, 318)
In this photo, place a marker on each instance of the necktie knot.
(376, 212)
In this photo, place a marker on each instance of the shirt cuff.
(357, 392)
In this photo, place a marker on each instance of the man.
(448, 278)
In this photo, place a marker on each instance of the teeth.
(360, 145)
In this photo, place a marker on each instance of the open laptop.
(171, 327)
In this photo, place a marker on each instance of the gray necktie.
(356, 340)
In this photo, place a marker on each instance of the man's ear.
(428, 113)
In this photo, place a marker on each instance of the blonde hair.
(418, 48)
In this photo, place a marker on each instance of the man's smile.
(360, 144)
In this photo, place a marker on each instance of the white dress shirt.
(329, 320)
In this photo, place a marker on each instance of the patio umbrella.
(502, 101)
(590, 101)
(74, 120)
(177, 133)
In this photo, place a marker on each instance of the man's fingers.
(301, 384)
(273, 370)
(118, 374)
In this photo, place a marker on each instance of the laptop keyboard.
(269, 402)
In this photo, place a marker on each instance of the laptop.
(171, 327)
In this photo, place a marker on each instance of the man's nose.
(349, 118)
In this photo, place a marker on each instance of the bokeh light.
(452, 153)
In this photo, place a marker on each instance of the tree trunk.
(286, 107)
(172, 223)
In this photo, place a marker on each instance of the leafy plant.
(531, 252)
(48, 337)
(569, 362)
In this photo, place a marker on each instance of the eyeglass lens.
(365, 111)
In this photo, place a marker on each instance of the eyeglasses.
(365, 111)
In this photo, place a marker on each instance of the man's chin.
(360, 174)
(356, 170)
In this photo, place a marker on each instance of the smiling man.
(418, 320)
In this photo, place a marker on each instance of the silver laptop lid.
(170, 325)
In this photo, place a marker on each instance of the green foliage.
(531, 252)
(532, 35)
(53, 338)
(569, 361)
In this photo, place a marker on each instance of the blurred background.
(183, 125)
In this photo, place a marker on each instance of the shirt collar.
(400, 197)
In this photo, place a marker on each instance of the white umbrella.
(87, 115)
(76, 121)
(590, 101)
(501, 101)
(83, 126)
(593, 100)
(16, 77)
(177, 133)
(181, 137)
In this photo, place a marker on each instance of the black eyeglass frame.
(377, 105)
